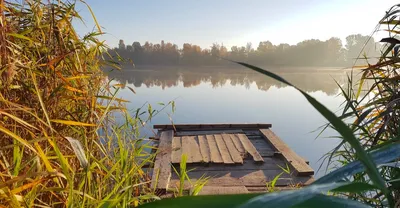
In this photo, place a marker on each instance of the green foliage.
(237, 201)
(271, 184)
(374, 117)
(202, 201)
(184, 177)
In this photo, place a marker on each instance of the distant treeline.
(311, 52)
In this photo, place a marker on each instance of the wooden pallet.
(233, 155)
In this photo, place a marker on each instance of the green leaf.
(71, 123)
(321, 200)
(289, 198)
(392, 164)
(17, 138)
(380, 156)
(340, 126)
(220, 201)
(19, 36)
(355, 187)
(229, 201)
(173, 106)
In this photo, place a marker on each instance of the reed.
(61, 145)
(373, 104)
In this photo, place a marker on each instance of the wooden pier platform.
(238, 158)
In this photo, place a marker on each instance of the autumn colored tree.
(312, 52)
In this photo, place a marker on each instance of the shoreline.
(150, 68)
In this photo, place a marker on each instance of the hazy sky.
(232, 22)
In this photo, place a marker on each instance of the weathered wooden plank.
(191, 149)
(247, 178)
(211, 126)
(305, 160)
(197, 157)
(162, 165)
(223, 150)
(234, 153)
(246, 174)
(176, 150)
(186, 148)
(223, 190)
(249, 147)
(204, 148)
(214, 152)
(238, 145)
(194, 133)
(295, 160)
(255, 182)
(258, 189)
(270, 163)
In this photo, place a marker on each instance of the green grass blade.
(383, 155)
(228, 201)
(330, 201)
(340, 126)
(289, 198)
(355, 187)
(201, 201)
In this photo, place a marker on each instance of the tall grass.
(376, 111)
(61, 145)
(182, 174)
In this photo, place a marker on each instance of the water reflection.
(308, 80)
(238, 95)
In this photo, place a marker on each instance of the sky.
(231, 22)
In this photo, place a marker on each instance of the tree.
(162, 45)
(129, 48)
(215, 50)
(121, 45)
(223, 51)
(312, 52)
(148, 47)
(334, 51)
(265, 46)
(357, 43)
(249, 47)
(137, 48)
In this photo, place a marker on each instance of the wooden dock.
(238, 158)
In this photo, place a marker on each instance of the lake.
(238, 95)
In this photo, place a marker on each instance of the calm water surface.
(220, 95)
